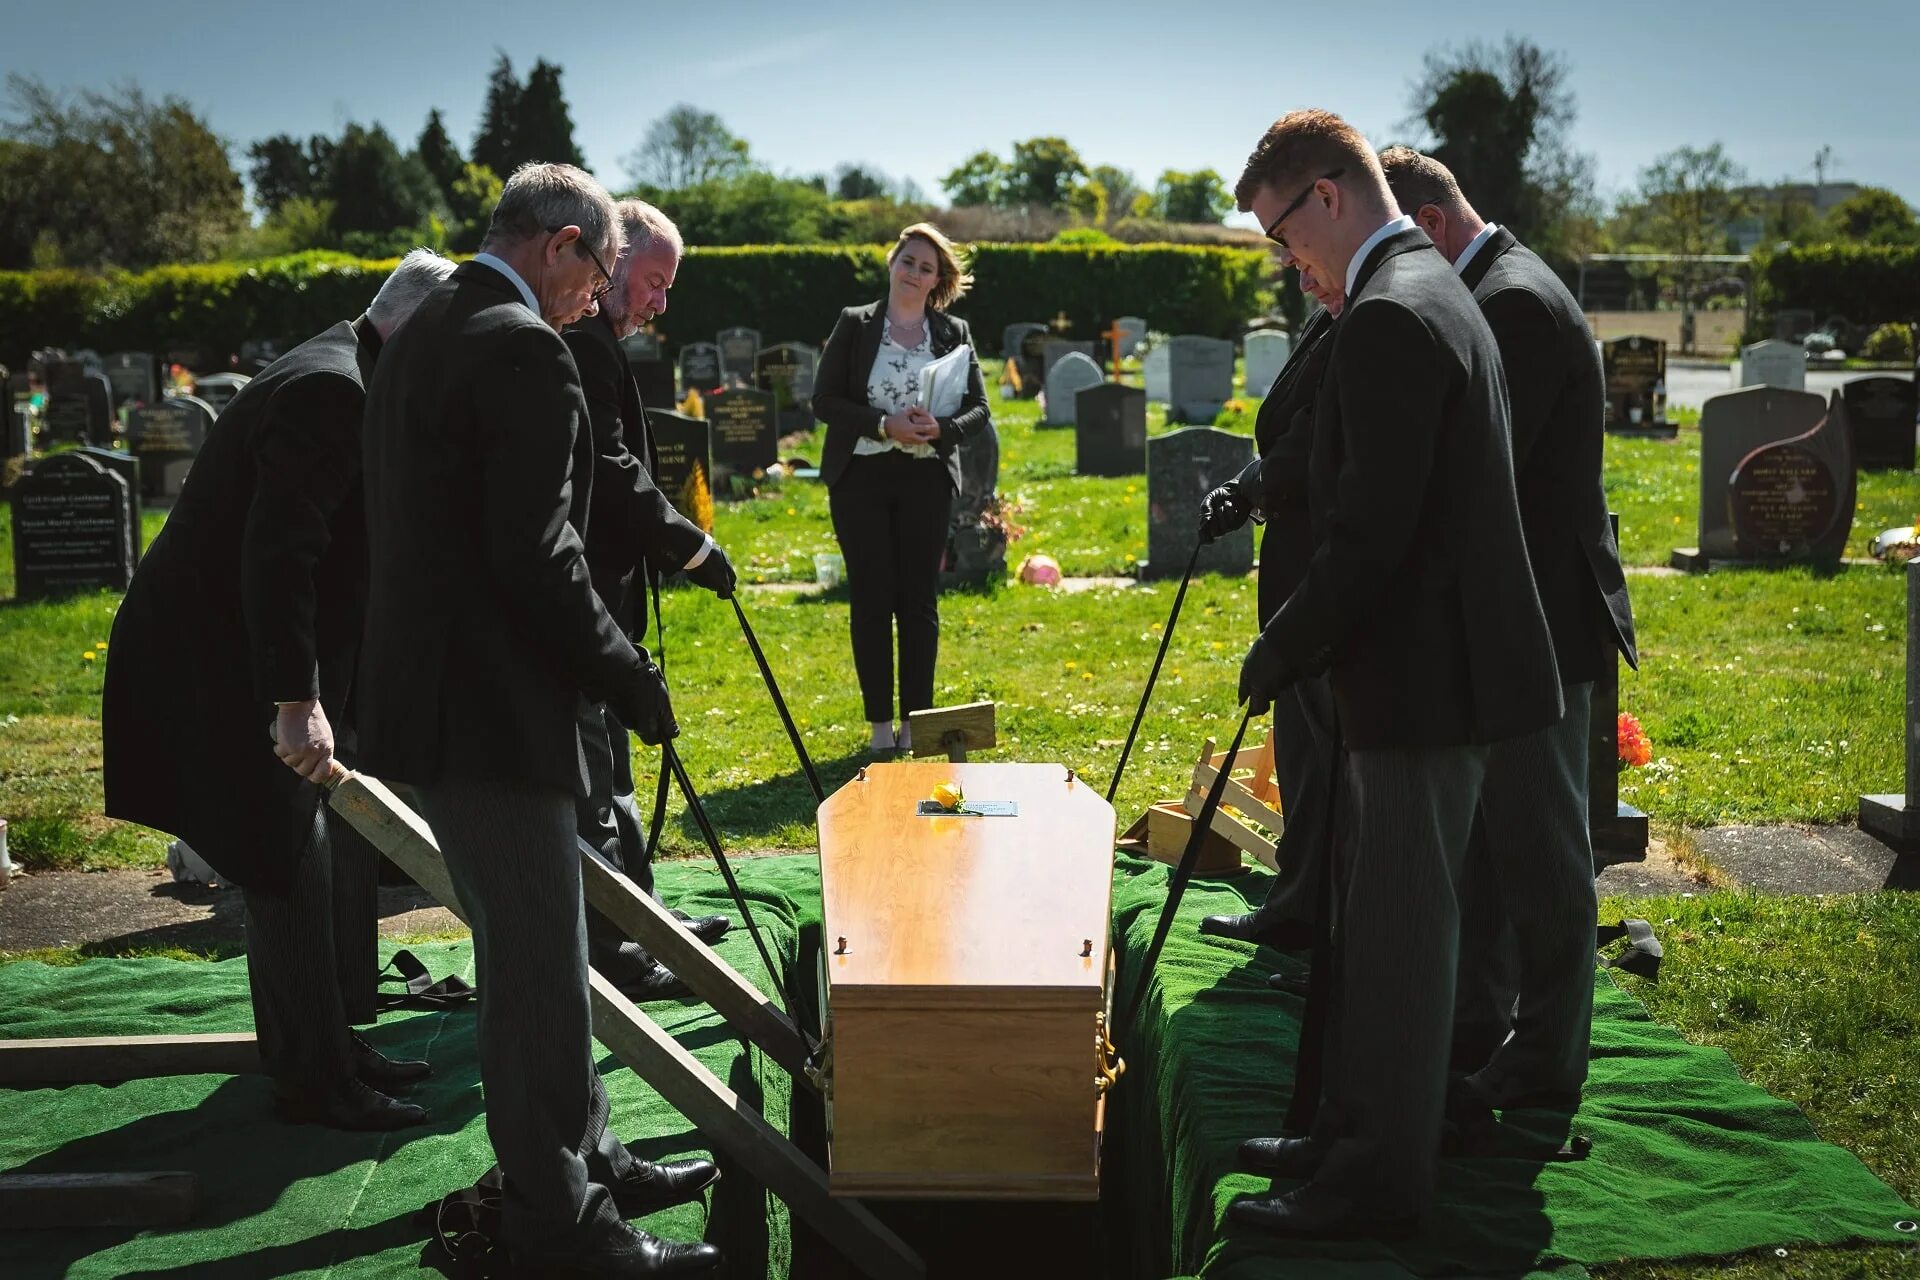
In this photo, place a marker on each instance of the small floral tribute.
(1635, 747)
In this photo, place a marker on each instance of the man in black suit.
(1419, 605)
(1530, 871)
(633, 534)
(239, 631)
(485, 637)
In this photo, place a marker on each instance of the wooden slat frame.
(69, 1200)
(62, 1060)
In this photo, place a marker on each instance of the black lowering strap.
(1166, 638)
(779, 703)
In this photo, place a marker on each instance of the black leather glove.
(715, 573)
(655, 723)
(1223, 510)
(1263, 674)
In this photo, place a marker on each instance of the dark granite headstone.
(1636, 378)
(134, 376)
(1880, 414)
(166, 437)
(1030, 364)
(1110, 431)
(70, 521)
(257, 354)
(1182, 468)
(1783, 499)
(746, 437)
(642, 345)
(66, 418)
(1736, 429)
(127, 467)
(1071, 374)
(652, 372)
(700, 367)
(219, 389)
(786, 371)
(1013, 338)
(738, 346)
(683, 469)
(1199, 378)
(976, 540)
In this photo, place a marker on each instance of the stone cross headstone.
(1153, 372)
(1880, 414)
(1774, 364)
(1013, 347)
(786, 370)
(1057, 349)
(1267, 352)
(1754, 499)
(738, 346)
(652, 373)
(1110, 431)
(1073, 373)
(1132, 330)
(1635, 368)
(134, 376)
(746, 437)
(219, 389)
(1182, 468)
(166, 437)
(683, 468)
(1199, 378)
(70, 528)
(699, 367)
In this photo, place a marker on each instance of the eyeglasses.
(606, 276)
(1272, 232)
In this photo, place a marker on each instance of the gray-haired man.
(487, 636)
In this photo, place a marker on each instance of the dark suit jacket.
(253, 593)
(1557, 396)
(630, 525)
(840, 388)
(1418, 602)
(1283, 430)
(484, 632)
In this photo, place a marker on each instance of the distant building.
(1747, 232)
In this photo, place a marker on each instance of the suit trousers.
(513, 854)
(608, 817)
(312, 951)
(1528, 914)
(890, 515)
(1304, 753)
(1405, 816)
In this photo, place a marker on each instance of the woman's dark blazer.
(840, 388)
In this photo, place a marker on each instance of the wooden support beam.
(67, 1200)
(54, 1060)
(728, 1124)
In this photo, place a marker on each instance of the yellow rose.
(949, 796)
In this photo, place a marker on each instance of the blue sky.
(915, 89)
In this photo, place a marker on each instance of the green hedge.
(1869, 285)
(789, 293)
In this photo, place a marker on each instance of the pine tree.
(437, 152)
(494, 145)
(544, 129)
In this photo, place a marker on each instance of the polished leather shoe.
(1283, 1157)
(639, 976)
(626, 1251)
(1323, 1215)
(1283, 935)
(649, 1186)
(383, 1073)
(352, 1105)
(1288, 983)
(709, 929)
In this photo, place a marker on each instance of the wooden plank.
(972, 721)
(45, 1200)
(712, 979)
(60, 1060)
(728, 1124)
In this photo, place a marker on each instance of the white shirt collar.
(1401, 223)
(1473, 247)
(526, 294)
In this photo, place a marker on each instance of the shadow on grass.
(771, 802)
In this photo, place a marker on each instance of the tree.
(857, 182)
(1042, 174)
(1690, 196)
(544, 130)
(437, 152)
(977, 180)
(280, 171)
(470, 207)
(1121, 186)
(684, 148)
(751, 207)
(494, 144)
(376, 187)
(1200, 196)
(1873, 215)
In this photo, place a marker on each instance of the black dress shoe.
(625, 1252)
(1287, 982)
(649, 1186)
(348, 1106)
(639, 976)
(1283, 1157)
(709, 929)
(383, 1073)
(1283, 935)
(1320, 1214)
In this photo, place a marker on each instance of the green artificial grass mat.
(280, 1200)
(1688, 1159)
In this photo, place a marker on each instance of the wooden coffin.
(966, 984)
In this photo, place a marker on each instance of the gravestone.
(1073, 373)
(700, 367)
(1774, 364)
(683, 463)
(257, 355)
(1153, 372)
(67, 418)
(1616, 829)
(1199, 378)
(641, 345)
(976, 538)
(1763, 503)
(127, 467)
(1792, 325)
(166, 437)
(1013, 338)
(1023, 368)
(786, 370)
(1110, 431)
(746, 437)
(219, 389)
(70, 522)
(1267, 352)
(1895, 819)
(1182, 468)
(1635, 369)
(1054, 350)
(651, 371)
(738, 347)
(1132, 330)
(1880, 414)
(134, 377)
